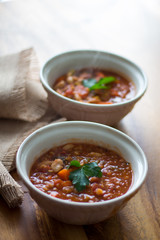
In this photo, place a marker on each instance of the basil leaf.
(107, 80)
(92, 169)
(75, 163)
(79, 179)
(89, 82)
(101, 84)
(92, 83)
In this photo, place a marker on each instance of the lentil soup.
(96, 86)
(82, 172)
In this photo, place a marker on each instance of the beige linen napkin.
(21, 98)
(12, 133)
(21, 94)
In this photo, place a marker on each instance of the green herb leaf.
(92, 169)
(89, 82)
(80, 176)
(107, 80)
(75, 163)
(101, 84)
(92, 83)
(79, 179)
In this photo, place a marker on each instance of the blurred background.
(129, 28)
(120, 26)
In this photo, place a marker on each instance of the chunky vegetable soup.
(95, 86)
(82, 172)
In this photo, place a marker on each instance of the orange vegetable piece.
(105, 103)
(64, 174)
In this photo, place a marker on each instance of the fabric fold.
(23, 109)
(10, 190)
(21, 93)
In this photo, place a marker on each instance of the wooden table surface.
(129, 28)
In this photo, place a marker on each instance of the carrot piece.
(64, 174)
(105, 103)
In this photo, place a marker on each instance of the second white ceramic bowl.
(102, 113)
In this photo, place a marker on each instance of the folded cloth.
(9, 188)
(12, 133)
(24, 105)
(21, 94)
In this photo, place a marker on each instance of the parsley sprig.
(103, 83)
(79, 177)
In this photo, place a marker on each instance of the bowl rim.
(36, 133)
(113, 55)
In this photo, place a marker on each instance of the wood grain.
(129, 28)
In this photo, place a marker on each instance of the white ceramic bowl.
(101, 113)
(79, 131)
